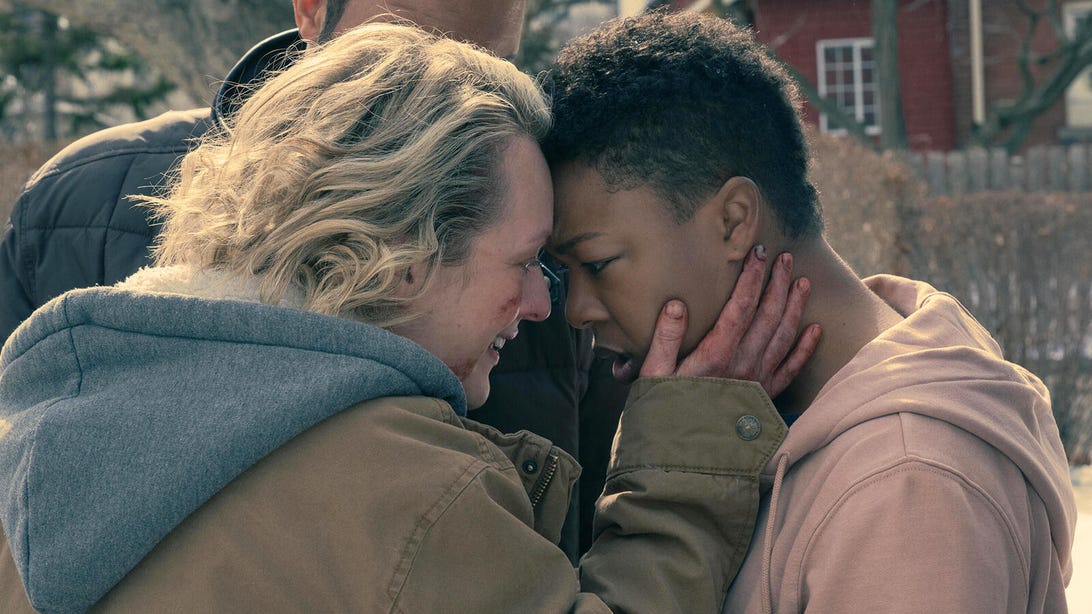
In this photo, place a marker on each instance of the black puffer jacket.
(73, 226)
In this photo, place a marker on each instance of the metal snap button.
(529, 466)
(748, 428)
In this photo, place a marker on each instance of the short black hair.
(681, 102)
(335, 9)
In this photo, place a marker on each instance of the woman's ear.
(733, 213)
(310, 17)
(412, 276)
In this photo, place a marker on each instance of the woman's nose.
(535, 304)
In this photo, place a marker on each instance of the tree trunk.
(49, 77)
(886, 52)
(192, 42)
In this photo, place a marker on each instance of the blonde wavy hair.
(372, 153)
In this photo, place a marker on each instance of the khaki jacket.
(399, 505)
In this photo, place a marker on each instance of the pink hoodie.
(927, 476)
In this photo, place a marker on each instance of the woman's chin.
(476, 383)
(477, 390)
(474, 377)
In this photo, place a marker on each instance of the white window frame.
(858, 85)
(1079, 93)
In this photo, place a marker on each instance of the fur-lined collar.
(187, 280)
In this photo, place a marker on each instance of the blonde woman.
(273, 418)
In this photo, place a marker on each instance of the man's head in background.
(676, 146)
(493, 24)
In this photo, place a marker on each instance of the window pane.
(829, 54)
(866, 54)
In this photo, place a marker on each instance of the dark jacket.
(73, 226)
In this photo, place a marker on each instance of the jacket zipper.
(544, 480)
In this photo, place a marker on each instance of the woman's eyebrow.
(566, 246)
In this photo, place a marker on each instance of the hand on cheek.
(752, 340)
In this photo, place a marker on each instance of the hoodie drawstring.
(767, 542)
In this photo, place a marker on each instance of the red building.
(957, 60)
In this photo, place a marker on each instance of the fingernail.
(674, 309)
(786, 260)
(760, 252)
(803, 284)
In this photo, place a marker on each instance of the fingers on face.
(765, 339)
(792, 365)
(739, 311)
(663, 353)
(786, 304)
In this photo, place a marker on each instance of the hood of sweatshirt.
(124, 409)
(941, 363)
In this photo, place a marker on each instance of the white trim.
(856, 44)
(978, 82)
(1078, 96)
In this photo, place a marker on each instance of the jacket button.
(748, 428)
(529, 466)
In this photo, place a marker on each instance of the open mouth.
(500, 340)
(625, 368)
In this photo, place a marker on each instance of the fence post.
(977, 170)
(1078, 169)
(913, 160)
(1018, 179)
(1058, 169)
(1036, 172)
(999, 169)
(957, 173)
(935, 162)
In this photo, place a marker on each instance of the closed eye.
(595, 268)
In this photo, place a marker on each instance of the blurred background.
(950, 137)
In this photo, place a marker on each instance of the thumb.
(663, 354)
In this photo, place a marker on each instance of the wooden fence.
(1020, 263)
(1057, 168)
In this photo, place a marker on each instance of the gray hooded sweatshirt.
(123, 412)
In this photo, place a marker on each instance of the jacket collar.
(272, 54)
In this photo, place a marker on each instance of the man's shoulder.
(171, 133)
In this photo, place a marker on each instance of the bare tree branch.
(1018, 116)
(193, 43)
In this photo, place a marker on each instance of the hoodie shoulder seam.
(72, 344)
(907, 464)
